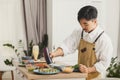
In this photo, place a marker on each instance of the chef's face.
(88, 25)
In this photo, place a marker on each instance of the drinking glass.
(35, 52)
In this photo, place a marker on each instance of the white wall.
(62, 19)
(11, 24)
(112, 22)
(49, 22)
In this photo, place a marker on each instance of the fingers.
(50, 54)
(83, 68)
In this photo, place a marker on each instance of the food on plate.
(41, 65)
(48, 70)
(67, 69)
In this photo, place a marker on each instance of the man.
(93, 44)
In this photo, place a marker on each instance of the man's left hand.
(83, 68)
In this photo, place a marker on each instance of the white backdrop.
(11, 22)
(11, 25)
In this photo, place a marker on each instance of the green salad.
(48, 70)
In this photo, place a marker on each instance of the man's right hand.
(57, 52)
(52, 54)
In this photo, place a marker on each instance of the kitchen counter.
(32, 76)
(60, 76)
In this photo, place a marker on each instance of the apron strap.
(82, 34)
(98, 36)
(95, 39)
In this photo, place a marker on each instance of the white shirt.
(103, 46)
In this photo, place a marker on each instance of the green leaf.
(7, 62)
(9, 45)
(76, 66)
(114, 68)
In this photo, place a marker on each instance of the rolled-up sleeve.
(71, 43)
(105, 55)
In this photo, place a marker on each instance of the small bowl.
(67, 69)
(26, 58)
(30, 67)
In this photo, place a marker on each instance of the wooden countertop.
(32, 76)
(61, 75)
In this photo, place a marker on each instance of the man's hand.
(57, 52)
(52, 54)
(85, 69)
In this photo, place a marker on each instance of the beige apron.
(87, 56)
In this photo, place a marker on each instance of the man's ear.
(94, 20)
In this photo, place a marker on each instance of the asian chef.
(93, 44)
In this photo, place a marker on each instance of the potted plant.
(42, 45)
(114, 68)
(9, 62)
